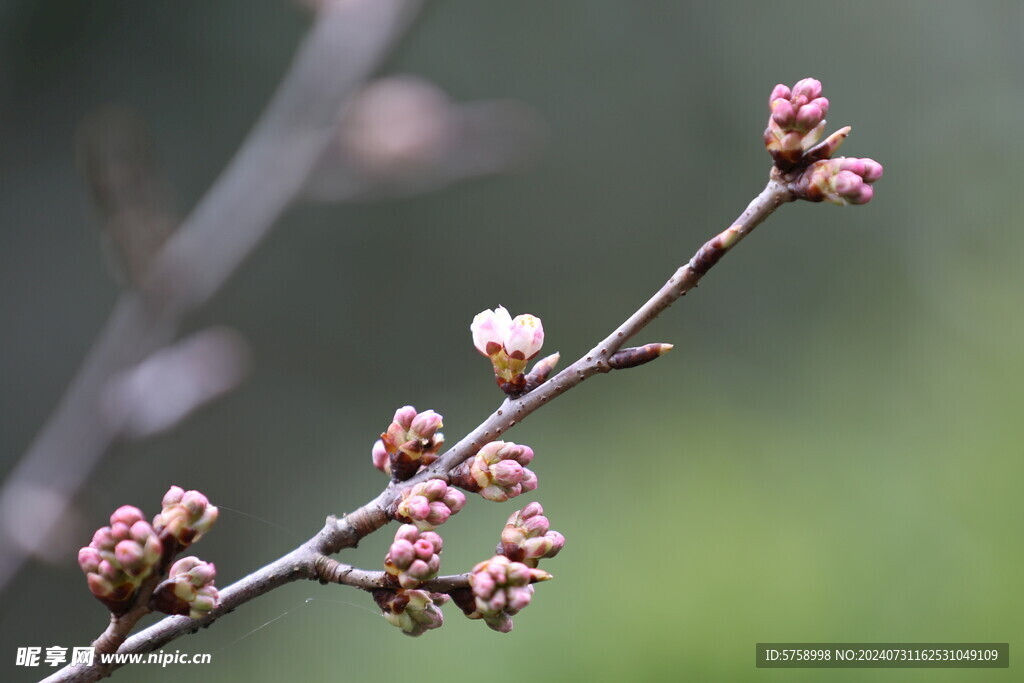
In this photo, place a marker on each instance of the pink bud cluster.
(413, 611)
(528, 537)
(188, 590)
(509, 343)
(120, 557)
(414, 556)
(501, 588)
(841, 180)
(796, 123)
(132, 552)
(429, 504)
(497, 472)
(411, 440)
(185, 517)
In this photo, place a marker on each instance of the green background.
(832, 453)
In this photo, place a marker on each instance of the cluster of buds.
(528, 537)
(188, 590)
(429, 504)
(414, 557)
(413, 611)
(411, 440)
(797, 122)
(509, 343)
(131, 552)
(841, 180)
(497, 472)
(120, 557)
(185, 517)
(500, 589)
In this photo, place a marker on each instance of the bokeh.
(832, 452)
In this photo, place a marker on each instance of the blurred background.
(832, 453)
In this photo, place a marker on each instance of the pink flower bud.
(796, 123)
(439, 513)
(490, 328)
(173, 496)
(424, 425)
(89, 560)
(809, 88)
(507, 473)
(402, 553)
(840, 181)
(381, 458)
(525, 337)
(454, 499)
(779, 92)
(783, 113)
(129, 555)
(126, 515)
(429, 504)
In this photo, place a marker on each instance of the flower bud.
(120, 557)
(429, 504)
(527, 537)
(410, 441)
(796, 123)
(185, 517)
(413, 611)
(500, 589)
(414, 556)
(509, 343)
(188, 589)
(497, 472)
(841, 181)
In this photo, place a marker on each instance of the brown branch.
(329, 570)
(309, 561)
(345, 45)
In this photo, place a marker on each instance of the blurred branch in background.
(115, 154)
(398, 136)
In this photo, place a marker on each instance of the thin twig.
(302, 563)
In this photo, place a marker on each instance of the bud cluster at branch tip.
(414, 556)
(188, 590)
(131, 552)
(497, 472)
(500, 589)
(429, 504)
(796, 123)
(841, 181)
(185, 517)
(413, 611)
(509, 343)
(528, 537)
(120, 557)
(411, 441)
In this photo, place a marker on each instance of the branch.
(346, 44)
(309, 561)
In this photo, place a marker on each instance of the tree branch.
(309, 561)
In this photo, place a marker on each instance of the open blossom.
(120, 557)
(410, 441)
(796, 123)
(188, 590)
(414, 556)
(509, 342)
(841, 180)
(497, 472)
